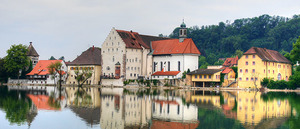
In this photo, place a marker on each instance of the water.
(37, 107)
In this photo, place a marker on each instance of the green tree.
(295, 53)
(3, 73)
(238, 53)
(16, 59)
(54, 69)
(82, 75)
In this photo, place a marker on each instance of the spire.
(31, 51)
(182, 31)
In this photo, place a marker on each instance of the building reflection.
(136, 109)
(252, 109)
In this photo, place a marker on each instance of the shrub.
(265, 82)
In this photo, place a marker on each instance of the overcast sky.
(69, 27)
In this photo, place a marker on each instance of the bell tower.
(182, 32)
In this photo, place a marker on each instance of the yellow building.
(259, 63)
(252, 110)
(229, 77)
(88, 60)
(205, 77)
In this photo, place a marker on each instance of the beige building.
(88, 60)
(125, 56)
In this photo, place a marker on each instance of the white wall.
(187, 61)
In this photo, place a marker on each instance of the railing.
(17, 81)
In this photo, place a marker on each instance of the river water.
(40, 107)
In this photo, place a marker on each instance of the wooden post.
(203, 84)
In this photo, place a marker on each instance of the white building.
(172, 57)
(125, 56)
(40, 73)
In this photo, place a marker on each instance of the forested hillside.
(222, 40)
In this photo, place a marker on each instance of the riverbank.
(165, 87)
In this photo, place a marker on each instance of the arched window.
(279, 76)
(113, 58)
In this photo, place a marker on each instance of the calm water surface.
(37, 107)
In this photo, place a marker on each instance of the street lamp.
(20, 71)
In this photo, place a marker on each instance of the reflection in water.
(117, 108)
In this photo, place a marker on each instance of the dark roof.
(31, 51)
(205, 71)
(89, 115)
(135, 40)
(267, 55)
(91, 56)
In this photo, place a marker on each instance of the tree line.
(228, 39)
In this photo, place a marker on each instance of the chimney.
(93, 47)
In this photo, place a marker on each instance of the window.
(246, 56)
(246, 70)
(209, 76)
(154, 67)
(113, 59)
(204, 76)
(161, 66)
(178, 65)
(247, 79)
(269, 71)
(136, 59)
(241, 71)
(195, 76)
(273, 71)
(253, 56)
(246, 62)
(169, 67)
(240, 79)
(253, 63)
(251, 78)
(253, 70)
(264, 71)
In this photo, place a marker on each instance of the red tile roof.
(173, 46)
(166, 73)
(226, 70)
(267, 55)
(135, 40)
(41, 102)
(229, 62)
(41, 67)
(162, 102)
(156, 124)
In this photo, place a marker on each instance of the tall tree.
(54, 69)
(82, 75)
(16, 59)
(295, 53)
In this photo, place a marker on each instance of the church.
(172, 57)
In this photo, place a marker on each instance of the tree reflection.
(15, 104)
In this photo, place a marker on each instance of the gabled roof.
(267, 55)
(229, 62)
(31, 51)
(166, 73)
(205, 71)
(227, 70)
(135, 40)
(41, 67)
(173, 46)
(91, 56)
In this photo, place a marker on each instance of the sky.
(69, 27)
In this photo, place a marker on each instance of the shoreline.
(163, 87)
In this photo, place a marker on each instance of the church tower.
(182, 32)
(33, 55)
